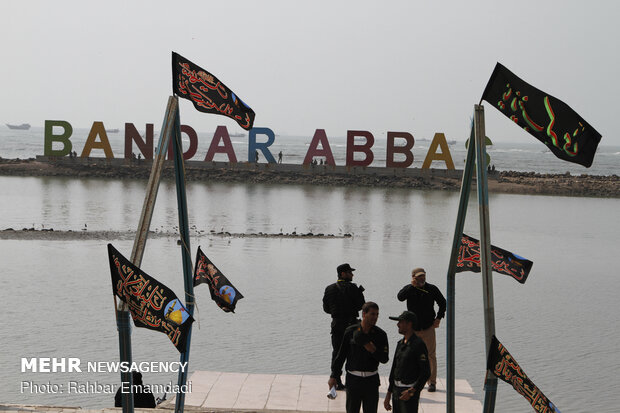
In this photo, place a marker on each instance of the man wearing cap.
(421, 298)
(410, 368)
(364, 346)
(142, 396)
(342, 300)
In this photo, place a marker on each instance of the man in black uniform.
(410, 368)
(343, 300)
(142, 397)
(421, 298)
(364, 346)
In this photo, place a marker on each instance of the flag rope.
(115, 308)
(196, 317)
(180, 149)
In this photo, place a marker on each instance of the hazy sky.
(414, 66)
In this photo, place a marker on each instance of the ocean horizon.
(522, 155)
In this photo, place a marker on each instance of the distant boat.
(116, 130)
(237, 135)
(23, 126)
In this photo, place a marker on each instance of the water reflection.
(66, 284)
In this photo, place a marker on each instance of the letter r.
(263, 146)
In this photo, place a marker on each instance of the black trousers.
(362, 392)
(400, 406)
(337, 332)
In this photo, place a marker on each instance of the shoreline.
(510, 182)
(72, 235)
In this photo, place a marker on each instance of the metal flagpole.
(124, 346)
(490, 386)
(122, 311)
(458, 233)
(179, 172)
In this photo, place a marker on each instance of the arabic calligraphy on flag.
(152, 305)
(502, 365)
(502, 261)
(548, 119)
(207, 93)
(223, 292)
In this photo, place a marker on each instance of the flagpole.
(490, 386)
(451, 284)
(122, 311)
(124, 348)
(179, 173)
(153, 185)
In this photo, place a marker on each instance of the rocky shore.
(71, 235)
(499, 182)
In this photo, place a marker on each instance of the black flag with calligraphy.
(207, 93)
(223, 292)
(548, 119)
(502, 261)
(502, 365)
(152, 305)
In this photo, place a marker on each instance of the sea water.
(561, 325)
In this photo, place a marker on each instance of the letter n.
(91, 142)
(365, 148)
(193, 143)
(63, 138)
(221, 134)
(439, 140)
(405, 149)
(320, 137)
(144, 145)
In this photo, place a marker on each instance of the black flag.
(503, 366)
(502, 261)
(548, 119)
(151, 303)
(223, 292)
(207, 93)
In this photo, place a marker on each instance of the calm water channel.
(561, 325)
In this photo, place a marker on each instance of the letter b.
(63, 138)
(365, 148)
(405, 150)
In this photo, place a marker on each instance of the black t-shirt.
(421, 301)
(343, 300)
(141, 397)
(410, 365)
(357, 357)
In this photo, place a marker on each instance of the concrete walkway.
(25, 408)
(213, 391)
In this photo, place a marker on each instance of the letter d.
(63, 138)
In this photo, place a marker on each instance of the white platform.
(212, 390)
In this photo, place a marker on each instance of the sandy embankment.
(499, 182)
